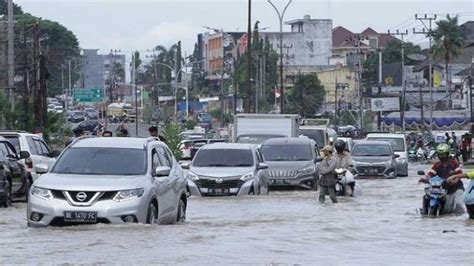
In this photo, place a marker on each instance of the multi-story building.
(306, 48)
(97, 68)
(3, 56)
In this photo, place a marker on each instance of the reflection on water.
(382, 226)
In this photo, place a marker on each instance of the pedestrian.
(448, 138)
(328, 175)
(123, 133)
(78, 133)
(107, 134)
(153, 130)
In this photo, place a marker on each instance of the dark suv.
(14, 180)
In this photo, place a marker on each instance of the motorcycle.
(435, 196)
(345, 183)
(412, 155)
(420, 154)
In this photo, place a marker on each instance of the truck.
(256, 128)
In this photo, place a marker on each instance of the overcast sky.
(142, 24)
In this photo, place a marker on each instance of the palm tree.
(448, 40)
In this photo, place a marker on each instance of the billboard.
(385, 104)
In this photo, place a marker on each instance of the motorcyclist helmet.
(340, 146)
(443, 152)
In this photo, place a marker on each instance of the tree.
(306, 96)
(448, 40)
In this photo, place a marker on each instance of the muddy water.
(382, 226)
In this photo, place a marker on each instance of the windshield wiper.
(242, 165)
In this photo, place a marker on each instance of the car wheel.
(7, 201)
(29, 181)
(181, 212)
(152, 215)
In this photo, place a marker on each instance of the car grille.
(107, 195)
(59, 221)
(368, 170)
(211, 183)
(282, 173)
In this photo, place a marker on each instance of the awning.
(440, 119)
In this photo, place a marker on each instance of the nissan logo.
(219, 180)
(81, 196)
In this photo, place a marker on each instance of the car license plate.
(80, 217)
(220, 191)
(278, 181)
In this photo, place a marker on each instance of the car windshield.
(255, 139)
(398, 144)
(224, 158)
(286, 152)
(101, 161)
(314, 134)
(371, 150)
(14, 141)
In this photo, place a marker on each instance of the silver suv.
(291, 162)
(40, 153)
(110, 180)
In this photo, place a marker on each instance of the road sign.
(88, 95)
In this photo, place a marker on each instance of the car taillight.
(29, 163)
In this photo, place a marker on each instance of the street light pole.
(280, 17)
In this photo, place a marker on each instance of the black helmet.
(340, 146)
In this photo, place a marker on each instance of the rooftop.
(115, 142)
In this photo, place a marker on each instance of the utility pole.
(135, 90)
(358, 38)
(280, 18)
(403, 101)
(336, 111)
(43, 90)
(11, 55)
(427, 31)
(69, 89)
(36, 73)
(249, 57)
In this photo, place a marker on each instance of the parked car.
(13, 175)
(291, 162)
(40, 152)
(77, 116)
(397, 141)
(374, 159)
(224, 169)
(110, 180)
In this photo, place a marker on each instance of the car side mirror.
(421, 172)
(262, 166)
(185, 165)
(162, 171)
(24, 155)
(41, 168)
(396, 156)
(55, 154)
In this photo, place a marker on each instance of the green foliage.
(448, 40)
(4, 9)
(306, 96)
(190, 124)
(173, 139)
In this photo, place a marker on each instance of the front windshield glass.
(286, 152)
(101, 161)
(398, 144)
(317, 135)
(371, 150)
(223, 158)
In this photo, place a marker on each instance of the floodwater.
(382, 226)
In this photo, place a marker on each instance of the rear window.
(371, 150)
(15, 141)
(287, 152)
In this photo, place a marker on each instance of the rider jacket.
(444, 170)
(343, 160)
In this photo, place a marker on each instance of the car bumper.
(305, 181)
(240, 189)
(108, 211)
(387, 173)
(402, 167)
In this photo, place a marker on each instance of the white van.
(398, 143)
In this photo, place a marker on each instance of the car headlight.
(41, 193)
(247, 177)
(193, 176)
(129, 194)
(307, 171)
(401, 160)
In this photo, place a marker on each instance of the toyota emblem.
(81, 196)
(219, 180)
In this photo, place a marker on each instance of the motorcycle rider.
(443, 169)
(344, 160)
(469, 197)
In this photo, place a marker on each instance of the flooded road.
(382, 226)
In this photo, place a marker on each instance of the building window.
(374, 42)
(300, 27)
